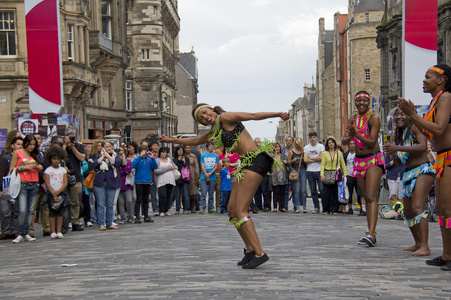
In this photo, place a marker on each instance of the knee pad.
(238, 223)
(416, 220)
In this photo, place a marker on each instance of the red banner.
(44, 55)
(419, 47)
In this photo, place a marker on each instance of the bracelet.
(21, 168)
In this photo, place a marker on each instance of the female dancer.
(228, 131)
(410, 149)
(436, 125)
(363, 128)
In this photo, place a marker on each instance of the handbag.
(129, 180)
(330, 176)
(177, 174)
(71, 180)
(89, 180)
(294, 175)
(11, 185)
(185, 173)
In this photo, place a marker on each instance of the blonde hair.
(393, 199)
(94, 149)
(298, 141)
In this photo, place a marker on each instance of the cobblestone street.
(194, 257)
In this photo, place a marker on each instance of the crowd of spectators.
(135, 183)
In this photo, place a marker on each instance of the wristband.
(21, 168)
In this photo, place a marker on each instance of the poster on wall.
(43, 130)
(29, 126)
(63, 119)
(60, 130)
(51, 119)
(3, 133)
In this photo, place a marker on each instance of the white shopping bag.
(11, 185)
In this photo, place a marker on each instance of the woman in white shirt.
(165, 180)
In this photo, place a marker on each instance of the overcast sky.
(254, 55)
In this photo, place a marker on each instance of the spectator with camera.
(143, 164)
(75, 154)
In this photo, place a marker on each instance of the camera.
(72, 139)
(117, 150)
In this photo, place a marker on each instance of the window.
(367, 17)
(7, 33)
(70, 42)
(126, 15)
(145, 53)
(128, 96)
(106, 18)
(154, 11)
(367, 75)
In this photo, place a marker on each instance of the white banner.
(419, 47)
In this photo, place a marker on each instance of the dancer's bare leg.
(369, 186)
(443, 208)
(241, 197)
(415, 206)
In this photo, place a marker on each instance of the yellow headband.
(199, 108)
(438, 70)
(362, 95)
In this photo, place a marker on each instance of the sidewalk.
(194, 257)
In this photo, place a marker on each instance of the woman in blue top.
(105, 184)
(143, 164)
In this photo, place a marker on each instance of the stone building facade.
(389, 42)
(152, 39)
(306, 114)
(118, 59)
(325, 82)
(187, 90)
(93, 38)
(363, 63)
(341, 64)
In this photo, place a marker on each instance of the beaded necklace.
(361, 126)
(430, 115)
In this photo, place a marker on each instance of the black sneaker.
(362, 213)
(248, 256)
(438, 261)
(256, 261)
(148, 220)
(446, 267)
(64, 230)
(138, 220)
(350, 212)
(77, 227)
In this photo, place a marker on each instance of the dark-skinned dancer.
(363, 128)
(227, 130)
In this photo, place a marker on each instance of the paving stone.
(194, 257)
